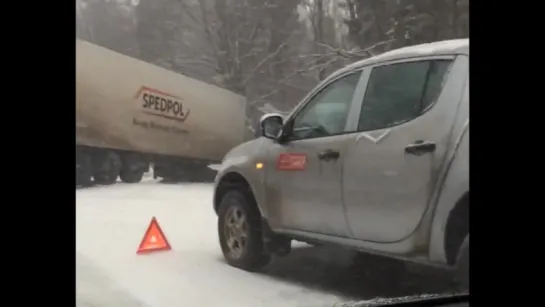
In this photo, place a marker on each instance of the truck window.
(398, 93)
(326, 113)
(436, 79)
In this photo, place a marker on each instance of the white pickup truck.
(375, 159)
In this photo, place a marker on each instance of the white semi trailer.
(130, 114)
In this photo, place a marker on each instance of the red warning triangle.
(154, 240)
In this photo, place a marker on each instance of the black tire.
(462, 264)
(202, 174)
(133, 169)
(84, 170)
(253, 256)
(131, 176)
(106, 167)
(170, 180)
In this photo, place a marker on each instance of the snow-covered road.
(110, 223)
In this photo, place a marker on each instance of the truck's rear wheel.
(462, 264)
(84, 170)
(132, 169)
(106, 167)
(240, 233)
(131, 176)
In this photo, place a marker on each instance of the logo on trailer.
(161, 104)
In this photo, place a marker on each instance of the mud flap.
(276, 244)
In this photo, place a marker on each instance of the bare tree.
(271, 51)
(107, 23)
(385, 25)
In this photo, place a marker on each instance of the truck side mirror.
(270, 125)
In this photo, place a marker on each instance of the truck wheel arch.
(451, 215)
(228, 181)
(457, 229)
(454, 194)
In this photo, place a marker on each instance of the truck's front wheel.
(106, 167)
(240, 233)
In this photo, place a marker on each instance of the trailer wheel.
(133, 169)
(200, 174)
(84, 170)
(106, 166)
(131, 176)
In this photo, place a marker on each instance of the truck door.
(404, 129)
(303, 188)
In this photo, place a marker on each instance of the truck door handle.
(419, 147)
(329, 154)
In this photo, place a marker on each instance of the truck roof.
(446, 47)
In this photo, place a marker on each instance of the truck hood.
(245, 150)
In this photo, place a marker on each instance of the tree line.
(271, 51)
